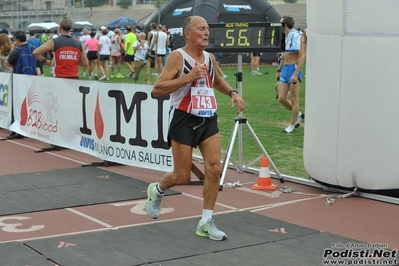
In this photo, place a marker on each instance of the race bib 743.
(203, 102)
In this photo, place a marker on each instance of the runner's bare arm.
(225, 88)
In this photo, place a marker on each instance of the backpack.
(26, 63)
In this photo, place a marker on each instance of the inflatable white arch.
(352, 92)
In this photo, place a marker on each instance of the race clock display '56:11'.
(245, 37)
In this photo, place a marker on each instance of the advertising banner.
(115, 122)
(5, 99)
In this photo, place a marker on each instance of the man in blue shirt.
(35, 42)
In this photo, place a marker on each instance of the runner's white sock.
(159, 190)
(206, 214)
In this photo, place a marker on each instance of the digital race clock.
(245, 37)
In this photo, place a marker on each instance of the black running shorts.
(189, 129)
(92, 55)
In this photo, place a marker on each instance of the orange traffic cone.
(264, 180)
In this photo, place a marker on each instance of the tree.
(88, 3)
(124, 4)
(159, 3)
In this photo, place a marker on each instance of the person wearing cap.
(99, 32)
(131, 38)
(110, 33)
(289, 74)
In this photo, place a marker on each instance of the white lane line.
(279, 204)
(91, 218)
(51, 153)
(109, 227)
(57, 235)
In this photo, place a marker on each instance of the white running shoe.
(153, 204)
(288, 129)
(299, 120)
(210, 230)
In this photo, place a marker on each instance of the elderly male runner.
(189, 77)
(290, 72)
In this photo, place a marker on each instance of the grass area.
(265, 115)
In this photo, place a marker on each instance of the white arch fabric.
(352, 119)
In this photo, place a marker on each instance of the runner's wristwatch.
(236, 91)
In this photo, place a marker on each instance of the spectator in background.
(28, 65)
(124, 34)
(22, 61)
(289, 73)
(99, 33)
(35, 42)
(5, 50)
(45, 37)
(68, 55)
(141, 48)
(218, 57)
(116, 53)
(169, 47)
(65, 66)
(105, 53)
(55, 35)
(131, 38)
(91, 47)
(255, 59)
(85, 36)
(110, 33)
(160, 42)
(150, 39)
(5, 31)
